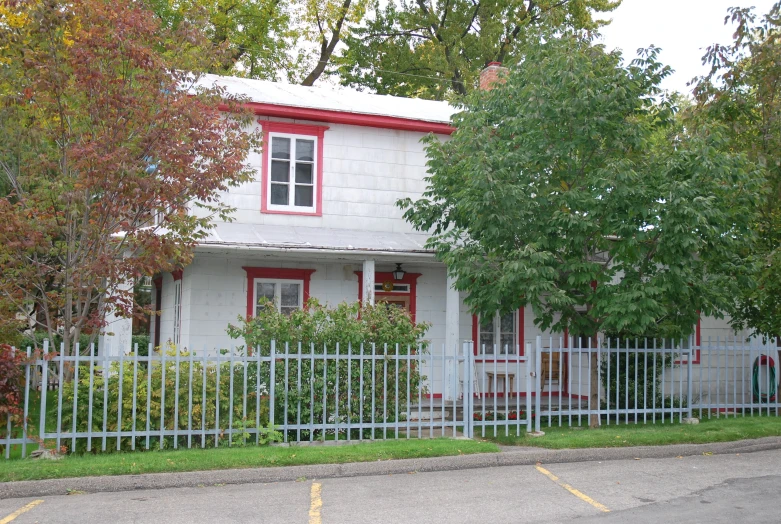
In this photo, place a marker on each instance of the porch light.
(398, 273)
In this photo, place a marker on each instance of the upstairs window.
(292, 168)
(292, 183)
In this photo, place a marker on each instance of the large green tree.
(430, 49)
(572, 188)
(743, 92)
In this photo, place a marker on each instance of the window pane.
(304, 196)
(280, 147)
(305, 150)
(280, 171)
(487, 335)
(288, 310)
(304, 173)
(279, 194)
(508, 342)
(290, 293)
(264, 290)
(508, 322)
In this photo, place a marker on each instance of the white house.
(320, 220)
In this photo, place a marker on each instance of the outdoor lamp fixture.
(398, 273)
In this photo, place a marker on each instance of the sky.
(683, 29)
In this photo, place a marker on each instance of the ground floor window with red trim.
(286, 289)
(498, 335)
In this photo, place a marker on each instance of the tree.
(431, 49)
(571, 188)
(743, 92)
(114, 155)
(268, 38)
(257, 34)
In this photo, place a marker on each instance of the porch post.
(452, 315)
(368, 282)
(452, 306)
(117, 334)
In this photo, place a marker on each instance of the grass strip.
(234, 458)
(709, 430)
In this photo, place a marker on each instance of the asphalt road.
(706, 488)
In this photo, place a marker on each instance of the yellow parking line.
(581, 496)
(23, 509)
(314, 506)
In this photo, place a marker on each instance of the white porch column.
(117, 334)
(368, 282)
(452, 316)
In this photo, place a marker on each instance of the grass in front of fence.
(709, 430)
(133, 463)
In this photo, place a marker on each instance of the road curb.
(508, 457)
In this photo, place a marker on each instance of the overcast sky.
(681, 28)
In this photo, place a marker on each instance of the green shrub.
(162, 398)
(646, 390)
(351, 390)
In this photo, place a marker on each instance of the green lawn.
(722, 429)
(231, 458)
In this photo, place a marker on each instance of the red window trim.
(293, 129)
(521, 338)
(275, 273)
(158, 309)
(409, 278)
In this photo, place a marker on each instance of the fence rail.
(90, 401)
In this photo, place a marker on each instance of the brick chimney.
(494, 72)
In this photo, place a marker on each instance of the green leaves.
(572, 188)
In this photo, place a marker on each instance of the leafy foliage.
(162, 401)
(571, 188)
(11, 387)
(338, 388)
(743, 92)
(432, 49)
(114, 156)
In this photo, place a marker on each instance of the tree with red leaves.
(112, 159)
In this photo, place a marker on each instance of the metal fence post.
(44, 387)
(529, 387)
(689, 377)
(467, 392)
(272, 383)
(537, 372)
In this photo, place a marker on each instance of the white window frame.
(486, 351)
(277, 292)
(177, 312)
(291, 179)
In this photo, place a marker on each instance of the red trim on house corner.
(382, 276)
(177, 274)
(158, 310)
(342, 117)
(276, 273)
(293, 129)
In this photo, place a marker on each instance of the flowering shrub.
(11, 387)
(352, 389)
(490, 415)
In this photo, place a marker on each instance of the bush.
(11, 388)
(35, 341)
(331, 392)
(162, 393)
(649, 378)
(143, 344)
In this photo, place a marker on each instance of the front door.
(394, 301)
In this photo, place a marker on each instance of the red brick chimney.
(494, 72)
